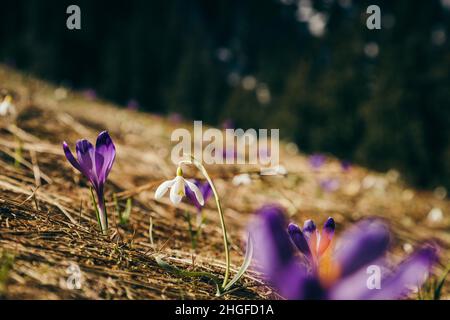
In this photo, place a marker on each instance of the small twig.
(33, 192)
(150, 231)
(36, 170)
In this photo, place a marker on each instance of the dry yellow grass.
(47, 220)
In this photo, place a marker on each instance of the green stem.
(100, 211)
(202, 169)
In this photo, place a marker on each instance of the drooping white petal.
(196, 191)
(163, 187)
(177, 190)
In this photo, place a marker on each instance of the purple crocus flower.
(302, 263)
(317, 160)
(133, 105)
(175, 117)
(228, 124)
(90, 94)
(346, 165)
(329, 185)
(205, 190)
(95, 163)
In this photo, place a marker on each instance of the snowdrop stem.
(202, 169)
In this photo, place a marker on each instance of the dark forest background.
(376, 97)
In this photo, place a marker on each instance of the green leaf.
(124, 216)
(6, 263)
(244, 266)
(437, 291)
(189, 274)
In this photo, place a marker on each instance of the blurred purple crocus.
(175, 117)
(329, 185)
(205, 190)
(346, 165)
(95, 163)
(90, 94)
(228, 124)
(133, 105)
(303, 264)
(317, 160)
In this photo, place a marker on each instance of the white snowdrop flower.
(242, 179)
(177, 189)
(435, 215)
(7, 107)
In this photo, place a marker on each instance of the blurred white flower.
(440, 192)
(435, 215)
(445, 4)
(407, 195)
(371, 50)
(407, 247)
(242, 179)
(177, 189)
(249, 83)
(60, 93)
(317, 24)
(374, 182)
(263, 93)
(7, 107)
(393, 175)
(273, 171)
(291, 148)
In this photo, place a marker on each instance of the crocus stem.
(202, 169)
(103, 216)
(100, 211)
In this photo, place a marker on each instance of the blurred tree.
(310, 68)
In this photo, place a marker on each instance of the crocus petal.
(177, 190)
(309, 227)
(310, 231)
(71, 158)
(326, 235)
(206, 190)
(298, 239)
(105, 153)
(270, 237)
(355, 286)
(163, 187)
(410, 274)
(196, 191)
(274, 252)
(317, 160)
(362, 244)
(86, 157)
(192, 198)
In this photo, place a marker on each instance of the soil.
(47, 221)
